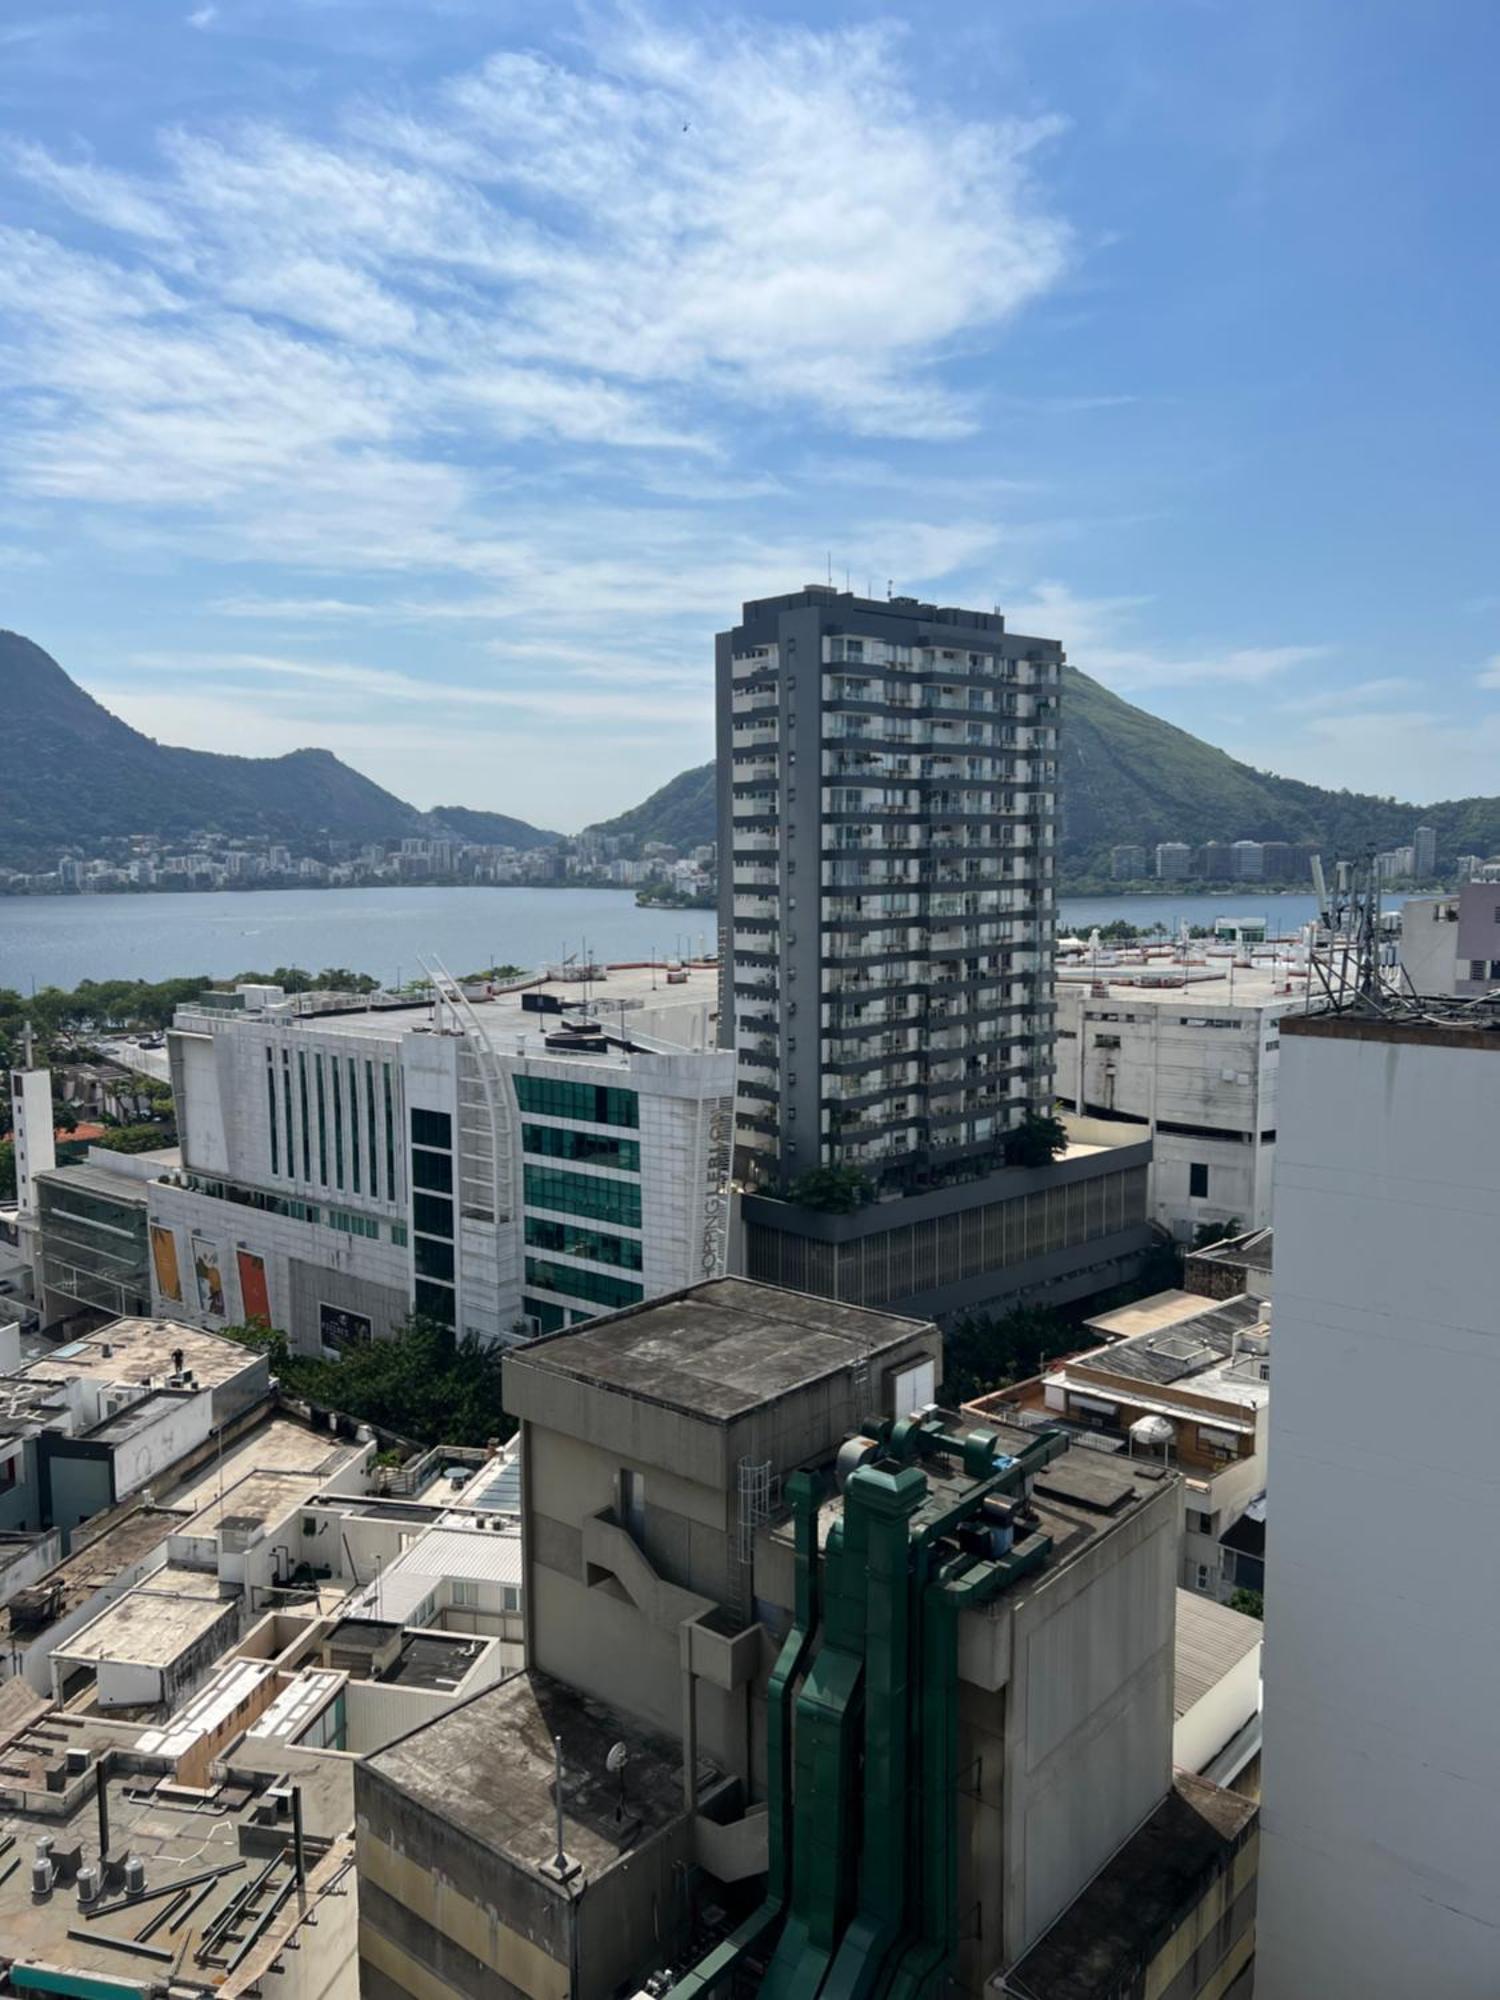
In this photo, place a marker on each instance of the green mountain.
(75, 775)
(491, 829)
(682, 812)
(1129, 776)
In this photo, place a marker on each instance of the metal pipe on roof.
(299, 1856)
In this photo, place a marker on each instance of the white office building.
(1191, 1053)
(507, 1166)
(1380, 1822)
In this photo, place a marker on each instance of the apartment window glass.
(549, 1318)
(1197, 1180)
(594, 1103)
(595, 1149)
(633, 1501)
(591, 1285)
(572, 1239)
(286, 1107)
(582, 1194)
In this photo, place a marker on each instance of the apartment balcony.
(756, 805)
(757, 703)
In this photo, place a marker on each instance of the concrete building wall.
(1089, 1714)
(1451, 944)
(1200, 1074)
(1382, 1759)
(1200, 1732)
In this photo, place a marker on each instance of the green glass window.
(434, 1260)
(306, 1128)
(432, 1215)
(549, 1317)
(322, 1122)
(574, 1240)
(434, 1301)
(432, 1170)
(354, 1124)
(597, 1103)
(582, 1194)
(286, 1110)
(432, 1128)
(596, 1149)
(592, 1285)
(338, 1123)
(398, 1234)
(271, 1105)
(390, 1136)
(370, 1122)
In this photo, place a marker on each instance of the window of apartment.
(306, 1128)
(322, 1123)
(1199, 1523)
(1106, 1041)
(465, 1594)
(1495, 968)
(1197, 1180)
(1476, 968)
(432, 1128)
(338, 1123)
(370, 1133)
(549, 1318)
(271, 1102)
(434, 1301)
(510, 1597)
(390, 1136)
(432, 1214)
(1203, 1577)
(434, 1259)
(354, 1124)
(432, 1170)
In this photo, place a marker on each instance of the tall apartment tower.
(1424, 853)
(887, 808)
(1381, 1781)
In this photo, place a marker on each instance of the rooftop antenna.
(28, 1046)
(830, 569)
(890, 585)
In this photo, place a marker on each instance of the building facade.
(1381, 1796)
(506, 1167)
(1193, 1062)
(887, 818)
(1450, 945)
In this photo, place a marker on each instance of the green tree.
(1251, 1602)
(137, 1138)
(1036, 1141)
(7, 1170)
(831, 1190)
(982, 1352)
(1216, 1232)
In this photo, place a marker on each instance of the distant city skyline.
(425, 385)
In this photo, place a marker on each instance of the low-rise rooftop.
(153, 1624)
(1211, 1642)
(720, 1350)
(128, 1536)
(144, 1350)
(488, 1766)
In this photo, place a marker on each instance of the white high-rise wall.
(1380, 1823)
(35, 1141)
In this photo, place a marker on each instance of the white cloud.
(203, 17)
(1489, 674)
(1406, 753)
(1092, 630)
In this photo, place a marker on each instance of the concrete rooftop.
(134, 1350)
(488, 1765)
(721, 1348)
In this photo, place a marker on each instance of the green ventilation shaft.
(864, 1852)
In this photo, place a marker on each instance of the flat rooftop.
(282, 1445)
(633, 1001)
(153, 1624)
(719, 1349)
(239, 1834)
(1252, 1250)
(128, 1538)
(136, 1350)
(1113, 1928)
(487, 1766)
(87, 1177)
(255, 1499)
(1206, 986)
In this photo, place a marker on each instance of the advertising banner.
(164, 1258)
(255, 1298)
(209, 1276)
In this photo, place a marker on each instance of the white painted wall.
(1170, 1066)
(1200, 1732)
(179, 1426)
(1380, 1827)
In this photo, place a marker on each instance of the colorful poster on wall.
(210, 1278)
(255, 1298)
(164, 1258)
(340, 1329)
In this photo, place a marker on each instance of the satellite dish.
(617, 1759)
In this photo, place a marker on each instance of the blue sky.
(430, 379)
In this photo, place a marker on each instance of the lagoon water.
(60, 940)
